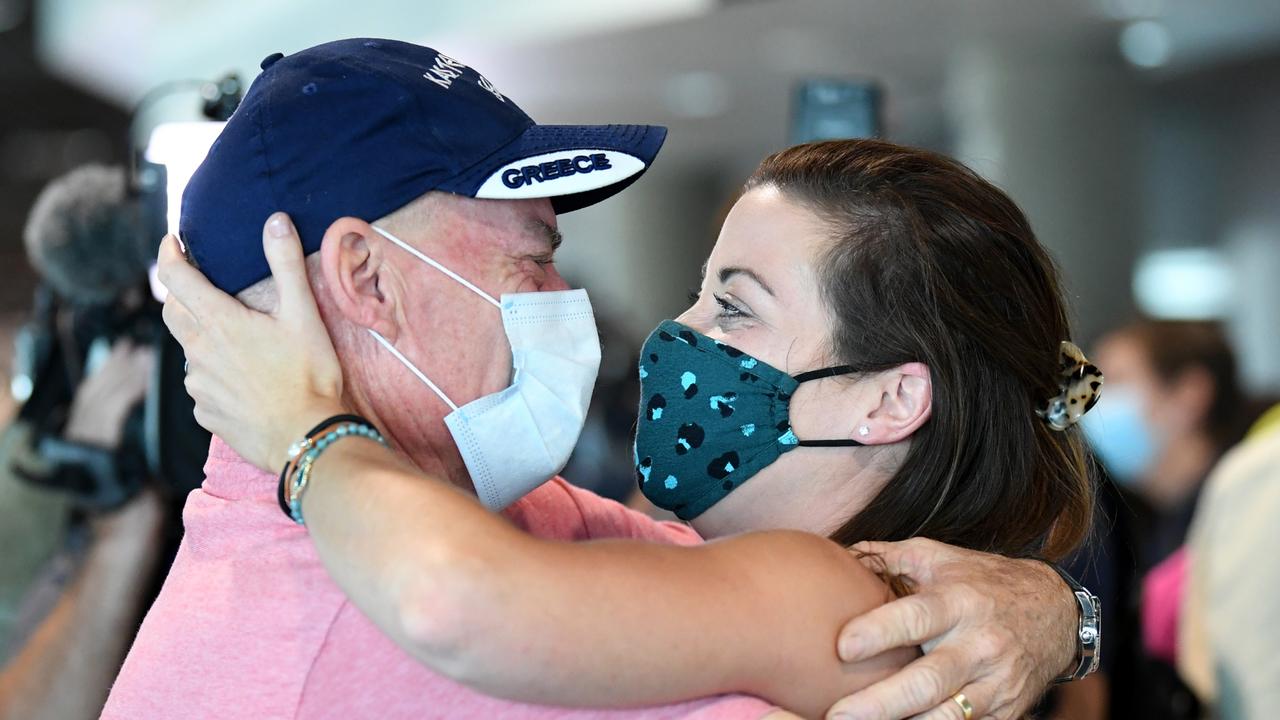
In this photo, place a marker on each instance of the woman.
(882, 301)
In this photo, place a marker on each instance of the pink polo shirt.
(249, 625)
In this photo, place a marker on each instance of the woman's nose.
(696, 319)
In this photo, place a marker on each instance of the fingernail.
(850, 648)
(278, 225)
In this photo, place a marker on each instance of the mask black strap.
(824, 373)
(845, 442)
(818, 375)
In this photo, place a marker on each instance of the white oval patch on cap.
(559, 173)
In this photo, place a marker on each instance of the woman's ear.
(352, 262)
(906, 402)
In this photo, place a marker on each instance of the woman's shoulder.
(812, 562)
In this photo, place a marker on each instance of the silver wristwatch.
(1089, 630)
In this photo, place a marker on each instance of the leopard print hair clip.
(1080, 386)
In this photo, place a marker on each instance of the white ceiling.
(758, 50)
(593, 61)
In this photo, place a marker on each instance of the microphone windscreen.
(88, 236)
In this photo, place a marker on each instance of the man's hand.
(996, 629)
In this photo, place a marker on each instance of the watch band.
(1088, 630)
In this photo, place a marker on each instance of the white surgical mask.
(518, 438)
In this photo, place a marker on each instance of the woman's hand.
(997, 629)
(260, 380)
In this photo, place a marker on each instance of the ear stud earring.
(864, 431)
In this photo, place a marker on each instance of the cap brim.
(574, 165)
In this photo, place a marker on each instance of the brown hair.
(930, 263)
(1174, 347)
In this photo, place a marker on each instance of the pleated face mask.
(514, 440)
(711, 417)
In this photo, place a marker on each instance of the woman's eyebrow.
(728, 272)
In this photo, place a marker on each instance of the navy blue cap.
(363, 127)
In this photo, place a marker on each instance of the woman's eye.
(728, 309)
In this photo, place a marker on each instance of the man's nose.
(552, 280)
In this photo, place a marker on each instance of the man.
(478, 148)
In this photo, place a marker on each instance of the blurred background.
(1140, 137)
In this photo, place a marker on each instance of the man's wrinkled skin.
(997, 629)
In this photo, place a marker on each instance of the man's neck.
(421, 437)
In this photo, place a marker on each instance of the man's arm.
(65, 669)
(998, 630)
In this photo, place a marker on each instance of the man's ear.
(352, 262)
(906, 402)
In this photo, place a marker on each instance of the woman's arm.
(997, 626)
(593, 624)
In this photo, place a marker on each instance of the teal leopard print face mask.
(711, 417)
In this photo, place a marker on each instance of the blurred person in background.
(86, 525)
(1229, 629)
(372, 548)
(1173, 407)
(79, 612)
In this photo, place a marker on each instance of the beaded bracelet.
(303, 454)
(296, 448)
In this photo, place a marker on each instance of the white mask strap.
(414, 251)
(405, 361)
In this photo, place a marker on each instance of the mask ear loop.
(461, 280)
(845, 370)
(843, 442)
(412, 368)
(824, 373)
(418, 254)
(817, 375)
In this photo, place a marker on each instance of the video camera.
(67, 339)
(92, 235)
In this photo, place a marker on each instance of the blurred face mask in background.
(1121, 436)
